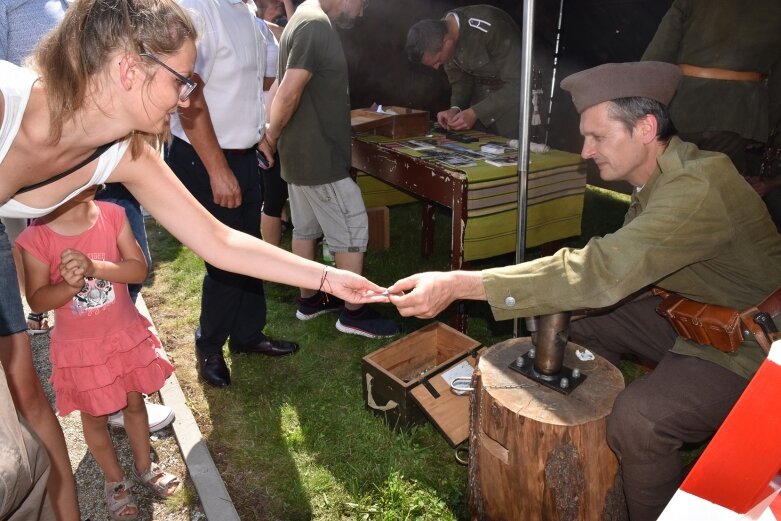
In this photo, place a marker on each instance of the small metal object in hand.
(262, 161)
(387, 293)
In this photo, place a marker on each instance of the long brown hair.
(75, 52)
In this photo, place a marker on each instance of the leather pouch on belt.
(706, 324)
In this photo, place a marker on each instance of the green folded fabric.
(556, 187)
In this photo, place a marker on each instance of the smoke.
(593, 31)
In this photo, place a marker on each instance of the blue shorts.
(332, 210)
(11, 310)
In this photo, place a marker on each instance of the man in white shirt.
(214, 154)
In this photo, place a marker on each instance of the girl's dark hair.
(425, 36)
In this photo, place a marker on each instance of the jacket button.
(509, 302)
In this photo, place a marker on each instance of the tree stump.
(536, 454)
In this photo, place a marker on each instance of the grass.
(291, 436)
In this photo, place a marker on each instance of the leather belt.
(712, 73)
(226, 151)
(240, 151)
(772, 304)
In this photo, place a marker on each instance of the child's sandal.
(120, 503)
(37, 323)
(158, 481)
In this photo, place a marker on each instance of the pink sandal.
(158, 481)
(119, 499)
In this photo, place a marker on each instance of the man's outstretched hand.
(425, 295)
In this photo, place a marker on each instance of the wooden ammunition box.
(405, 122)
(408, 381)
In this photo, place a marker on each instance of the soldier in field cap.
(653, 80)
(694, 228)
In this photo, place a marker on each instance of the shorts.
(11, 310)
(334, 211)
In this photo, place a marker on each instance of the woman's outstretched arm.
(151, 181)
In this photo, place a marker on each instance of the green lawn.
(291, 436)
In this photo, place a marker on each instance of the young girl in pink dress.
(78, 261)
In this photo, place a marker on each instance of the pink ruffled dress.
(101, 346)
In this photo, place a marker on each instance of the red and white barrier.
(737, 476)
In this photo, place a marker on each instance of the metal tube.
(523, 138)
(551, 340)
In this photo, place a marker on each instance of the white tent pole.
(523, 138)
(555, 69)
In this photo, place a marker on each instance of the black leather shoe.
(267, 346)
(212, 368)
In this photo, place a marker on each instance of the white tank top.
(16, 84)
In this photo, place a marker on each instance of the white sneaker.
(160, 416)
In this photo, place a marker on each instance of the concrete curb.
(215, 500)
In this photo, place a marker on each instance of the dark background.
(592, 32)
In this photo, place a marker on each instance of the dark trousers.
(117, 193)
(683, 400)
(274, 190)
(232, 305)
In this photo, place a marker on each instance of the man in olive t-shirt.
(312, 105)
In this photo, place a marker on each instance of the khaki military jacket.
(723, 34)
(485, 72)
(696, 228)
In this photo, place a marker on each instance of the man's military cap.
(646, 79)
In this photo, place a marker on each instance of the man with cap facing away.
(694, 227)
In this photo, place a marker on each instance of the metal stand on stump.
(536, 452)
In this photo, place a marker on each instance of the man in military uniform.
(726, 52)
(694, 227)
(480, 48)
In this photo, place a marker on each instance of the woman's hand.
(422, 295)
(352, 287)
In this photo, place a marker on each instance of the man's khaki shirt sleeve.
(683, 224)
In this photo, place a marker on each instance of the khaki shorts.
(334, 211)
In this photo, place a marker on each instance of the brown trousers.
(682, 401)
(24, 466)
